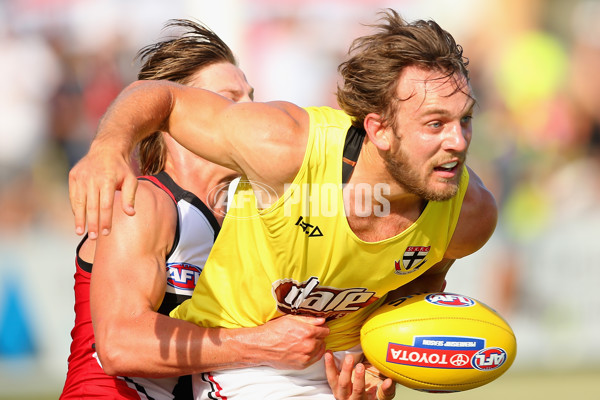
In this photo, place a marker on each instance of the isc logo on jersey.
(449, 300)
(183, 276)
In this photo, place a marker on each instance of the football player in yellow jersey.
(406, 88)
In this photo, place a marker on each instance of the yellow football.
(438, 342)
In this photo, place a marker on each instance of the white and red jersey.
(197, 229)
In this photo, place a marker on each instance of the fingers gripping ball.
(439, 342)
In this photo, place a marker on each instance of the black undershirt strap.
(354, 140)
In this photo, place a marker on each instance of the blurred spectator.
(28, 77)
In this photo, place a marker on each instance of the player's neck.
(383, 219)
(205, 181)
(371, 174)
(377, 206)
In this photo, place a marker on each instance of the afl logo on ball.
(488, 359)
(450, 300)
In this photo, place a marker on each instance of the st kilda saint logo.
(412, 259)
(309, 298)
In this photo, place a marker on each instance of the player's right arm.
(127, 287)
(250, 138)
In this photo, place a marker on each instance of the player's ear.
(377, 131)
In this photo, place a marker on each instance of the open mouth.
(448, 167)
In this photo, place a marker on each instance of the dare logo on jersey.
(183, 276)
(450, 300)
(488, 359)
(310, 298)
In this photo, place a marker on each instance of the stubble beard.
(408, 177)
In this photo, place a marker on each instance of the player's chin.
(442, 191)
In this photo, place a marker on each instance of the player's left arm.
(476, 224)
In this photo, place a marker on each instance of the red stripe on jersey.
(160, 185)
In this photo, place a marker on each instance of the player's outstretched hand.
(292, 342)
(361, 386)
(92, 185)
(386, 387)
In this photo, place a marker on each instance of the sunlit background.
(535, 69)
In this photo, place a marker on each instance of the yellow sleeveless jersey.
(299, 256)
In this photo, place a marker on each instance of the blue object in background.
(16, 335)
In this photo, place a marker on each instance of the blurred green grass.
(525, 385)
(514, 385)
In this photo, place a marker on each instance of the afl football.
(438, 342)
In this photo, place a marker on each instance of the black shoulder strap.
(163, 181)
(181, 194)
(354, 140)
